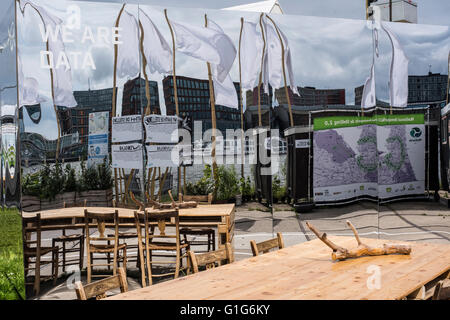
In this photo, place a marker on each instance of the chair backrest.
(206, 199)
(138, 203)
(82, 203)
(99, 288)
(442, 290)
(31, 225)
(161, 218)
(267, 245)
(210, 259)
(101, 219)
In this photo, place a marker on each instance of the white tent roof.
(271, 6)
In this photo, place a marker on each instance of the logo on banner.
(416, 132)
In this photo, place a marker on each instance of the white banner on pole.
(161, 129)
(127, 156)
(127, 128)
(163, 156)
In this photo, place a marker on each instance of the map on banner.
(98, 137)
(379, 156)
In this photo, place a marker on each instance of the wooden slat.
(306, 271)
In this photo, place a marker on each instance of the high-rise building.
(310, 96)
(429, 88)
(252, 97)
(422, 90)
(194, 102)
(134, 98)
(76, 120)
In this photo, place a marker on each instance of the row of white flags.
(398, 82)
(209, 44)
(62, 77)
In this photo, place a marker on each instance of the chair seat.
(72, 237)
(201, 231)
(123, 235)
(166, 246)
(31, 252)
(105, 248)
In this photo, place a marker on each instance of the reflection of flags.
(156, 49)
(128, 50)
(398, 84)
(62, 76)
(28, 88)
(206, 44)
(251, 54)
(224, 91)
(368, 97)
(274, 66)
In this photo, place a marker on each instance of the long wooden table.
(220, 216)
(306, 271)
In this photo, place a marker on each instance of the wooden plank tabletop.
(306, 271)
(213, 210)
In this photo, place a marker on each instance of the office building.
(134, 98)
(194, 103)
(310, 96)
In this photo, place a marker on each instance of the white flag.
(128, 50)
(156, 49)
(28, 88)
(224, 92)
(62, 76)
(368, 97)
(251, 55)
(398, 84)
(206, 44)
(274, 68)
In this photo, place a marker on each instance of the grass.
(12, 285)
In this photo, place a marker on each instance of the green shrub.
(227, 184)
(71, 184)
(105, 180)
(203, 186)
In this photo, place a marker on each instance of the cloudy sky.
(327, 52)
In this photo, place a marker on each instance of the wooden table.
(306, 271)
(220, 216)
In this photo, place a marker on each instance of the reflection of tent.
(271, 6)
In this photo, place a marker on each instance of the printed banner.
(381, 157)
(163, 156)
(161, 129)
(98, 137)
(126, 128)
(127, 156)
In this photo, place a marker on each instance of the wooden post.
(242, 103)
(283, 62)
(174, 77)
(448, 80)
(113, 113)
(213, 119)
(261, 72)
(144, 66)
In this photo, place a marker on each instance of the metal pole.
(261, 72)
(242, 103)
(390, 10)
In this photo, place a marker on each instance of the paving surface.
(412, 221)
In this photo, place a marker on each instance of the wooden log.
(362, 249)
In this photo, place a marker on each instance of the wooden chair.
(77, 238)
(99, 288)
(209, 233)
(209, 260)
(102, 243)
(34, 249)
(442, 290)
(159, 240)
(125, 236)
(267, 245)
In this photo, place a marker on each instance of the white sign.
(126, 128)
(98, 122)
(161, 129)
(302, 144)
(163, 156)
(127, 156)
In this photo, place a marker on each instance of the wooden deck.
(306, 271)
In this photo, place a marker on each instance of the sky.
(325, 53)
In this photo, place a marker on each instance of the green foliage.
(71, 184)
(278, 191)
(11, 255)
(246, 187)
(31, 184)
(227, 184)
(105, 180)
(203, 186)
